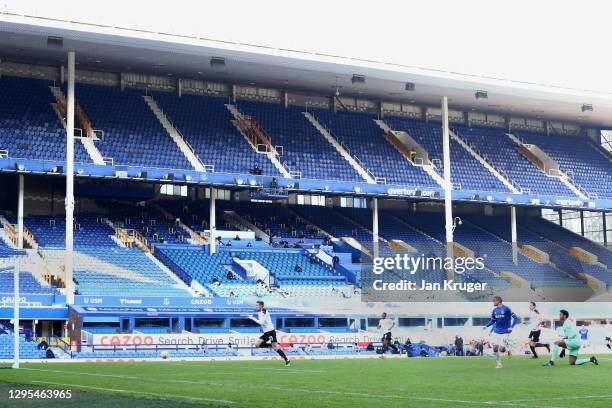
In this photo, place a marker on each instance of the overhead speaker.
(55, 42)
(358, 79)
(217, 62)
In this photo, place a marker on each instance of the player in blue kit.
(502, 322)
(584, 337)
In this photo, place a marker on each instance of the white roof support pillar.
(375, 236)
(448, 186)
(212, 224)
(20, 213)
(70, 180)
(513, 234)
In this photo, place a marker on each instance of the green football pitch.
(391, 382)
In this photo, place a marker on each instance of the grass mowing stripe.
(163, 396)
(279, 388)
(389, 383)
(268, 385)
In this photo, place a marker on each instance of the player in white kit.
(386, 325)
(536, 322)
(268, 338)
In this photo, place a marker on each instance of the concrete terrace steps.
(178, 139)
(340, 149)
(486, 164)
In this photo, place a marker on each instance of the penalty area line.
(163, 396)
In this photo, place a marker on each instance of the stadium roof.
(118, 49)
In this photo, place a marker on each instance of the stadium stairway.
(305, 149)
(255, 135)
(341, 149)
(133, 135)
(87, 134)
(10, 230)
(496, 147)
(176, 136)
(546, 163)
(486, 164)
(398, 139)
(466, 171)
(587, 166)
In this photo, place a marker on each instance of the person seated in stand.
(297, 268)
(256, 170)
(237, 238)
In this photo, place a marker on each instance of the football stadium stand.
(500, 150)
(89, 230)
(27, 349)
(118, 271)
(366, 140)
(304, 148)
(467, 173)
(132, 134)
(206, 124)
(559, 255)
(589, 166)
(29, 128)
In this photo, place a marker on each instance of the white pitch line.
(164, 396)
(290, 370)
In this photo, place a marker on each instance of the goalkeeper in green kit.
(571, 342)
